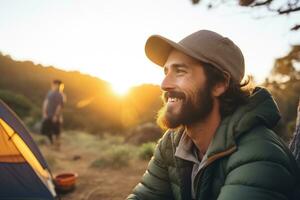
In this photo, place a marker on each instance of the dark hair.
(237, 94)
(57, 81)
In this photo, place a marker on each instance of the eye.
(180, 70)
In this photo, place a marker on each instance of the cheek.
(191, 85)
(192, 93)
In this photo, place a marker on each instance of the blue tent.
(24, 173)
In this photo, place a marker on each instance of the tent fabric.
(8, 151)
(19, 144)
(13, 120)
(24, 173)
(18, 180)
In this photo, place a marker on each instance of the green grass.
(146, 150)
(116, 157)
(107, 150)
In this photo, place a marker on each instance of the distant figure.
(52, 112)
(295, 143)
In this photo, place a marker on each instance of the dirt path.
(106, 184)
(93, 183)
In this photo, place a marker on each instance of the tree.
(278, 7)
(284, 84)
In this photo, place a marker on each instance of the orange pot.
(65, 182)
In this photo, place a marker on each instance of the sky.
(106, 38)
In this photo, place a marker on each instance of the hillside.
(91, 105)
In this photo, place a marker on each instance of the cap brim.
(158, 48)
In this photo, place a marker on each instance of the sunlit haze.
(106, 38)
(120, 89)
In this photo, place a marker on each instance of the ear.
(220, 88)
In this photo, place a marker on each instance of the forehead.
(178, 58)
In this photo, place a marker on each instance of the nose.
(168, 83)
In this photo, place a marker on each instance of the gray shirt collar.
(186, 149)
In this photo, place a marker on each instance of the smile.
(172, 99)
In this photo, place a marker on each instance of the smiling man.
(219, 143)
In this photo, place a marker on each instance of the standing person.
(52, 112)
(219, 143)
(295, 143)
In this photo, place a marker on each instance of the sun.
(120, 89)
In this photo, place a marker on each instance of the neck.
(202, 132)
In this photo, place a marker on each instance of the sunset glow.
(106, 38)
(120, 89)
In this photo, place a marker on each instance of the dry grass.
(107, 167)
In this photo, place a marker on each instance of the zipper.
(208, 162)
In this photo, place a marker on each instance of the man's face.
(55, 86)
(187, 98)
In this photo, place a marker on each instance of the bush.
(144, 133)
(19, 103)
(22, 106)
(116, 157)
(146, 151)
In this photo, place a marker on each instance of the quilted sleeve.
(155, 183)
(261, 169)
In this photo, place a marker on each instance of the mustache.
(172, 94)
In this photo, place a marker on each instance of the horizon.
(99, 39)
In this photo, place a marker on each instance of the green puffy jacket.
(246, 161)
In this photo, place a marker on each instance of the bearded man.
(219, 143)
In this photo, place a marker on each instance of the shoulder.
(261, 144)
(165, 142)
(166, 146)
(261, 160)
(170, 139)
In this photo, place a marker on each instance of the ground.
(76, 154)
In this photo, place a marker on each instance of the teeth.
(173, 99)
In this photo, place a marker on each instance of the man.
(219, 144)
(52, 112)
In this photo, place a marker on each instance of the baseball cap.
(204, 45)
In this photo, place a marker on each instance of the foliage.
(284, 69)
(22, 106)
(116, 157)
(278, 7)
(143, 133)
(284, 84)
(146, 151)
(104, 151)
(91, 105)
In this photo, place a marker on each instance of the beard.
(190, 111)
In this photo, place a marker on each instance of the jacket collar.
(260, 110)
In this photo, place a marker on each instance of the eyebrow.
(176, 65)
(179, 65)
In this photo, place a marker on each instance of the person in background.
(219, 144)
(52, 112)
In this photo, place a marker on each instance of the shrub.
(148, 132)
(116, 157)
(146, 151)
(22, 106)
(19, 103)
